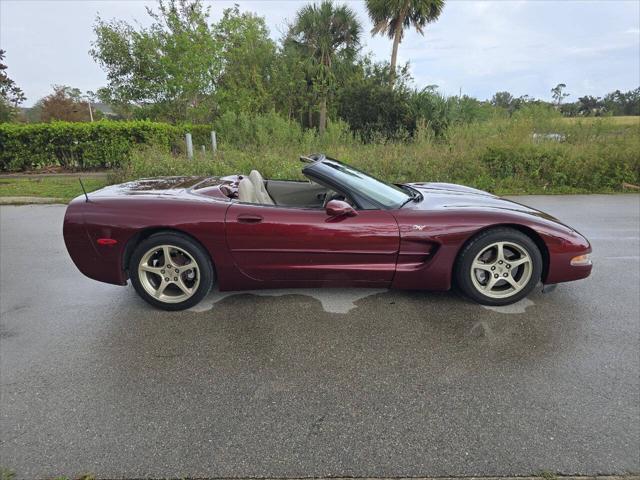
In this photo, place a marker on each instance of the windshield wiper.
(414, 195)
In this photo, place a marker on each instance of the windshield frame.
(324, 171)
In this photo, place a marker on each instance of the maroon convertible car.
(176, 237)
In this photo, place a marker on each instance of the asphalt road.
(319, 383)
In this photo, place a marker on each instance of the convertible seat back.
(260, 190)
(246, 191)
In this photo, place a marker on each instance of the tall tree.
(10, 94)
(172, 66)
(325, 33)
(558, 94)
(391, 17)
(248, 56)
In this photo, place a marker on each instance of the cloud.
(526, 47)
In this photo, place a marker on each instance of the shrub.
(77, 145)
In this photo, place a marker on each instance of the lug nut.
(161, 271)
(508, 266)
(177, 270)
(166, 279)
(500, 262)
(505, 275)
(496, 275)
(493, 268)
(175, 279)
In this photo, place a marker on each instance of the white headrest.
(246, 191)
(261, 191)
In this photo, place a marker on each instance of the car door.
(275, 243)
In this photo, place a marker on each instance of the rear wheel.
(499, 267)
(171, 271)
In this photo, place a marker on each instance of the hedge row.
(86, 145)
(108, 144)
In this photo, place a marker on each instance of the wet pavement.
(316, 383)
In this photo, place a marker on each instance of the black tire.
(201, 257)
(480, 243)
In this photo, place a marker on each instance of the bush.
(78, 145)
(500, 156)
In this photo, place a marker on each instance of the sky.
(477, 47)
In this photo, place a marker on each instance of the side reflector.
(106, 241)
(581, 260)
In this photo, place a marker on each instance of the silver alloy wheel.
(169, 273)
(501, 270)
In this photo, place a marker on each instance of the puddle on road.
(515, 308)
(332, 301)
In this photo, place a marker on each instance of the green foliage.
(373, 108)
(325, 35)
(248, 56)
(392, 17)
(77, 145)
(62, 187)
(169, 69)
(499, 155)
(10, 94)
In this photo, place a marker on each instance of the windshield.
(383, 193)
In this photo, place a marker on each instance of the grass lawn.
(630, 120)
(63, 188)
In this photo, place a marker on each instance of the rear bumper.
(99, 263)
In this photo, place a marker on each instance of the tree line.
(186, 68)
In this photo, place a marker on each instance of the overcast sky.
(479, 47)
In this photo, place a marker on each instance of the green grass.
(499, 156)
(62, 188)
(624, 120)
(596, 155)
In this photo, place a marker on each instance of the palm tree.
(324, 33)
(393, 16)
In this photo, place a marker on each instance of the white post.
(202, 148)
(189, 145)
(214, 142)
(90, 112)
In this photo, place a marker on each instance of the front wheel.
(499, 267)
(170, 271)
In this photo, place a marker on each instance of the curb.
(31, 201)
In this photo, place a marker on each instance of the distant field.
(614, 120)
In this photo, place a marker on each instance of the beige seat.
(260, 190)
(246, 191)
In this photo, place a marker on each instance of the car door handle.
(249, 218)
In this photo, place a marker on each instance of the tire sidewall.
(207, 275)
(479, 243)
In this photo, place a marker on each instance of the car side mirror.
(338, 208)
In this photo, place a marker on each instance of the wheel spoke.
(189, 266)
(167, 254)
(150, 269)
(500, 247)
(519, 261)
(180, 283)
(161, 288)
(512, 281)
(491, 283)
(481, 266)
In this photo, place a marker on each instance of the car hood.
(450, 196)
